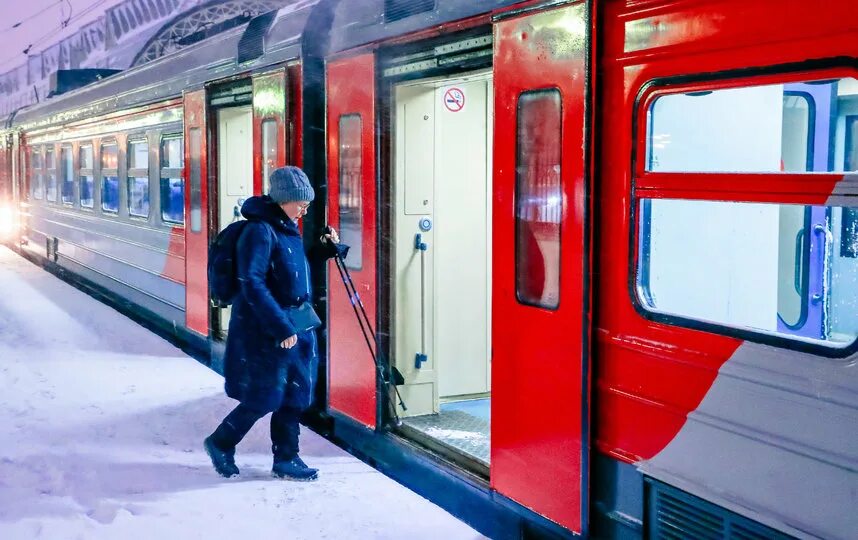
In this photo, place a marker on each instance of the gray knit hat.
(288, 184)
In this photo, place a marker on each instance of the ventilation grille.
(675, 515)
(395, 10)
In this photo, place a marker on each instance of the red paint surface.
(352, 386)
(174, 265)
(539, 356)
(196, 243)
(649, 375)
(269, 103)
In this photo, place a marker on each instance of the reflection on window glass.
(87, 186)
(789, 128)
(109, 178)
(195, 144)
(538, 199)
(173, 200)
(51, 166)
(138, 178)
(37, 174)
(110, 193)
(269, 151)
(67, 169)
(772, 268)
(350, 189)
(172, 182)
(109, 156)
(138, 196)
(138, 155)
(172, 152)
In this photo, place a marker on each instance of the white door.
(235, 171)
(442, 193)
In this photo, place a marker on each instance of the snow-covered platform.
(101, 429)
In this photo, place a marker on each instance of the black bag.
(222, 266)
(303, 317)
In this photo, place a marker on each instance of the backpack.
(223, 265)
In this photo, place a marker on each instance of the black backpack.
(223, 265)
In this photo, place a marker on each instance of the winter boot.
(223, 460)
(294, 469)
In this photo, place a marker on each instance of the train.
(611, 246)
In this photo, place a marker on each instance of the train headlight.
(8, 223)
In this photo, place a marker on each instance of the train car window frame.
(136, 176)
(37, 174)
(109, 172)
(67, 175)
(782, 187)
(523, 263)
(169, 175)
(50, 174)
(86, 172)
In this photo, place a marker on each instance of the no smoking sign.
(454, 100)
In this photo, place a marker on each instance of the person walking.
(270, 365)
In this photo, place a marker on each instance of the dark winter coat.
(274, 274)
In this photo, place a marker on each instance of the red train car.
(609, 245)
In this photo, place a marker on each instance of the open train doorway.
(234, 174)
(441, 260)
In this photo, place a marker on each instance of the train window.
(172, 181)
(787, 128)
(269, 151)
(195, 140)
(87, 178)
(51, 166)
(110, 177)
(138, 178)
(67, 169)
(778, 269)
(350, 188)
(37, 173)
(538, 199)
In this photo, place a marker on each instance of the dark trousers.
(284, 430)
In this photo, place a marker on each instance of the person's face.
(295, 209)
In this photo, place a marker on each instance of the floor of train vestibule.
(102, 423)
(461, 425)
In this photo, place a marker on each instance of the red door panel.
(269, 125)
(540, 396)
(196, 213)
(351, 207)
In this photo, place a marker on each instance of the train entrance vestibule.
(441, 260)
(234, 172)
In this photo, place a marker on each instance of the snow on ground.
(101, 429)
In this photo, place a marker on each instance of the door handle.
(422, 247)
(827, 239)
(799, 238)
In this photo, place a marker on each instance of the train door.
(442, 258)
(352, 389)
(196, 209)
(251, 126)
(541, 263)
(234, 173)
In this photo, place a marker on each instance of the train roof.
(317, 27)
(271, 38)
(378, 20)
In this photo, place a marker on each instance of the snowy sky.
(41, 24)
